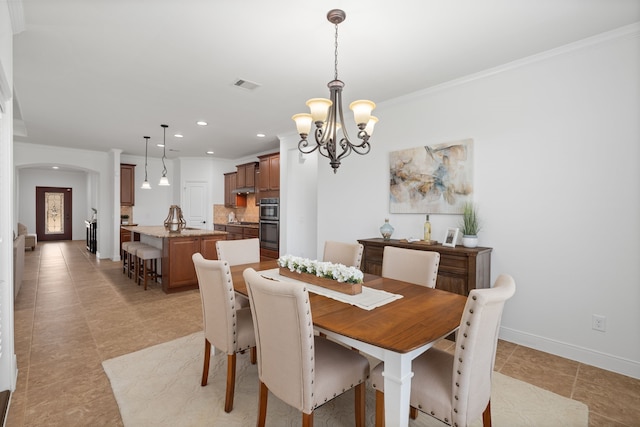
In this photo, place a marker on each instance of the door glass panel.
(54, 213)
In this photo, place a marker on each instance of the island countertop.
(161, 232)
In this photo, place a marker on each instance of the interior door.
(195, 204)
(53, 213)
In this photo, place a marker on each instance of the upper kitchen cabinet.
(231, 198)
(127, 184)
(246, 176)
(269, 172)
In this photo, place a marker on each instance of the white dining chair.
(456, 388)
(300, 368)
(349, 254)
(227, 327)
(237, 252)
(411, 265)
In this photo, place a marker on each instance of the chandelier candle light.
(145, 184)
(328, 117)
(164, 181)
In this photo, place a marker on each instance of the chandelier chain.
(336, 55)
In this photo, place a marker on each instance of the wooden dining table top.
(422, 316)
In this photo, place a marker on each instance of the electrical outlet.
(599, 322)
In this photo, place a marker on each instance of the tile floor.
(74, 311)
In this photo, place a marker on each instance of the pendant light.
(164, 181)
(145, 184)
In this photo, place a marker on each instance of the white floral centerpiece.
(326, 270)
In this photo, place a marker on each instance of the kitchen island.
(178, 272)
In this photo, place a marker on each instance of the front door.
(53, 213)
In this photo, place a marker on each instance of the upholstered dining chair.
(226, 326)
(349, 254)
(411, 265)
(456, 388)
(303, 370)
(236, 252)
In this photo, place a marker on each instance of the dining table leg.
(397, 388)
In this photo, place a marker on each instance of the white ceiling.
(101, 74)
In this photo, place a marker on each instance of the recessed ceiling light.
(55, 167)
(261, 135)
(178, 135)
(160, 145)
(201, 123)
(209, 152)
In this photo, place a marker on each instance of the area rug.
(160, 386)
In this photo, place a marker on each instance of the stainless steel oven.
(269, 224)
(270, 235)
(270, 209)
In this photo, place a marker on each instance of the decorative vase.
(386, 230)
(175, 221)
(469, 241)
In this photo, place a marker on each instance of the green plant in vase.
(470, 225)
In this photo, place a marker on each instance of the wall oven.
(269, 224)
(269, 209)
(270, 235)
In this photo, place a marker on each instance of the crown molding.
(628, 31)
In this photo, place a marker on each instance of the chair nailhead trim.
(474, 297)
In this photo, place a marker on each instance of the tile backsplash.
(250, 213)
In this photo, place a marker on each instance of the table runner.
(367, 300)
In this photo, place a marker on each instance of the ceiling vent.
(246, 84)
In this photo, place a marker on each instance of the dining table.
(395, 333)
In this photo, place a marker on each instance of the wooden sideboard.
(461, 269)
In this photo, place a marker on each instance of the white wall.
(556, 179)
(98, 166)
(151, 206)
(29, 179)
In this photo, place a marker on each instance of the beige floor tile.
(74, 311)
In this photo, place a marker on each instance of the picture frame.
(450, 237)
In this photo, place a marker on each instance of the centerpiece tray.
(334, 285)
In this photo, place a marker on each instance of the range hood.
(244, 190)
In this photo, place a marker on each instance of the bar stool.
(128, 257)
(148, 268)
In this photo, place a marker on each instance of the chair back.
(411, 265)
(349, 254)
(284, 338)
(236, 252)
(475, 352)
(218, 302)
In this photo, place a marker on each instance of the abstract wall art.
(432, 179)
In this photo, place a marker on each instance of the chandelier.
(164, 181)
(145, 184)
(329, 119)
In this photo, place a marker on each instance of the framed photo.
(450, 238)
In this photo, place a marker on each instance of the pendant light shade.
(164, 181)
(145, 185)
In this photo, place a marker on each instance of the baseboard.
(587, 356)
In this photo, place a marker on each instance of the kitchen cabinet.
(177, 264)
(460, 270)
(231, 199)
(237, 232)
(246, 175)
(127, 184)
(269, 172)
